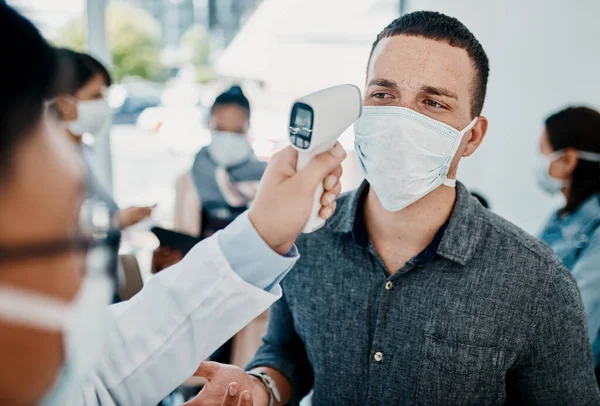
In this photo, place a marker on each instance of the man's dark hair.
(577, 128)
(440, 27)
(83, 68)
(234, 95)
(29, 69)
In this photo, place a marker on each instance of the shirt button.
(389, 285)
(378, 356)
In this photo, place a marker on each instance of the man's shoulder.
(521, 251)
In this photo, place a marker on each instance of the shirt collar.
(457, 240)
(465, 227)
(586, 214)
(588, 210)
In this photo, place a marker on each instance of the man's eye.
(433, 103)
(380, 95)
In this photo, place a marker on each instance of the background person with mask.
(59, 344)
(220, 186)
(570, 145)
(224, 175)
(84, 109)
(414, 293)
(223, 178)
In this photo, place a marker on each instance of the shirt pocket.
(453, 373)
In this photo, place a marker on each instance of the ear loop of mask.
(452, 182)
(589, 156)
(33, 309)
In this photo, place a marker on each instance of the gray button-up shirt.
(491, 318)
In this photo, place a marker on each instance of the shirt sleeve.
(284, 351)
(587, 274)
(556, 365)
(251, 258)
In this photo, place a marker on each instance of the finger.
(333, 178)
(330, 181)
(327, 211)
(207, 369)
(329, 196)
(232, 395)
(246, 399)
(144, 212)
(320, 166)
(337, 173)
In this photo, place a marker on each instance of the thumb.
(320, 166)
(282, 165)
(207, 369)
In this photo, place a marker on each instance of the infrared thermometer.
(316, 122)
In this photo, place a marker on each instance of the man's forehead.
(413, 61)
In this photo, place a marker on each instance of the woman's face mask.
(92, 117)
(82, 321)
(546, 182)
(229, 149)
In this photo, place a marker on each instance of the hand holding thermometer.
(316, 122)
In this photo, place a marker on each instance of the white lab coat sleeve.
(159, 337)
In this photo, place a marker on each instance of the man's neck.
(399, 236)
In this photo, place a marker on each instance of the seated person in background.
(413, 293)
(570, 145)
(84, 109)
(225, 174)
(220, 186)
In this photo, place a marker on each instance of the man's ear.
(477, 135)
(67, 108)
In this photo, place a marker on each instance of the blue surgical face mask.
(551, 185)
(404, 154)
(547, 183)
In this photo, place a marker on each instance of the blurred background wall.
(171, 57)
(543, 56)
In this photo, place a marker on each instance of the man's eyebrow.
(387, 83)
(439, 91)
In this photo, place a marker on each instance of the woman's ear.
(570, 159)
(67, 108)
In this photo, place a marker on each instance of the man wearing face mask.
(570, 164)
(84, 109)
(414, 293)
(59, 344)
